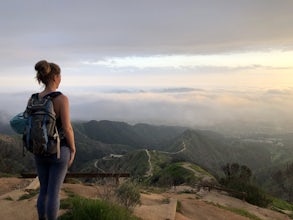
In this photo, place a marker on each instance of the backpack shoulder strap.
(53, 94)
(34, 96)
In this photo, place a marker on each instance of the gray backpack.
(41, 136)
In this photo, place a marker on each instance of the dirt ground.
(202, 205)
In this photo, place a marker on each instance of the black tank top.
(63, 141)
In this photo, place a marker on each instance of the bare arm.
(67, 127)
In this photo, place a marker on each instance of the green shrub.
(256, 196)
(282, 206)
(128, 195)
(29, 195)
(88, 209)
(179, 207)
(238, 178)
(253, 194)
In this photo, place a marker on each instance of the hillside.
(142, 149)
(12, 159)
(212, 150)
(5, 129)
(263, 154)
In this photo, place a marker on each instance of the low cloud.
(174, 106)
(244, 60)
(189, 107)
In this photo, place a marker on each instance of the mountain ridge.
(205, 148)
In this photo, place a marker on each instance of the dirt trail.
(194, 206)
(199, 210)
(224, 200)
(150, 171)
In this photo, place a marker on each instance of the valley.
(157, 154)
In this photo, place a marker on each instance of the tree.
(238, 178)
(284, 180)
(245, 174)
(235, 172)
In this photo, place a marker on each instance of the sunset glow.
(174, 62)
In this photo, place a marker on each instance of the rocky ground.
(196, 205)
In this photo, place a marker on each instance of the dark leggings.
(51, 173)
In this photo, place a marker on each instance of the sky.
(189, 62)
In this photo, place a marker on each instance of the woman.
(50, 169)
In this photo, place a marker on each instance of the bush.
(88, 209)
(253, 194)
(128, 195)
(238, 178)
(257, 197)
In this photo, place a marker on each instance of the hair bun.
(43, 67)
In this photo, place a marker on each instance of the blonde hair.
(46, 71)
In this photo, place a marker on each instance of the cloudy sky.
(189, 62)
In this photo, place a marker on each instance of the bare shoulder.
(62, 97)
(61, 100)
(61, 104)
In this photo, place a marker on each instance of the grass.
(243, 213)
(165, 201)
(237, 211)
(8, 198)
(200, 170)
(148, 189)
(280, 205)
(7, 175)
(30, 194)
(179, 206)
(80, 208)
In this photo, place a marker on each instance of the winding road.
(96, 166)
(150, 171)
(177, 152)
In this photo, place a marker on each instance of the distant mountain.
(96, 139)
(209, 150)
(12, 159)
(139, 135)
(88, 149)
(6, 129)
(4, 124)
(212, 150)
